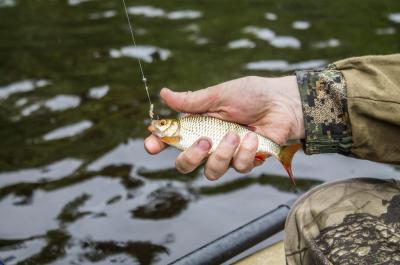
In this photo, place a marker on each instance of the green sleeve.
(353, 107)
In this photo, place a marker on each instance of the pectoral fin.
(171, 140)
(261, 156)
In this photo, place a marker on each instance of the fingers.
(243, 161)
(190, 159)
(153, 145)
(218, 162)
(200, 101)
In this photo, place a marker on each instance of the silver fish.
(184, 132)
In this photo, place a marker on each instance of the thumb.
(199, 101)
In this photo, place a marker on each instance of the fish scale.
(196, 126)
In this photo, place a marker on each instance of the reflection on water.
(301, 24)
(104, 14)
(271, 16)
(270, 36)
(77, 187)
(77, 2)
(62, 102)
(241, 43)
(21, 86)
(395, 17)
(261, 33)
(68, 131)
(150, 11)
(21, 250)
(54, 171)
(385, 31)
(285, 42)
(98, 92)
(7, 3)
(30, 109)
(184, 14)
(331, 43)
(280, 65)
(145, 53)
(147, 11)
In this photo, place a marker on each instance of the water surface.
(76, 186)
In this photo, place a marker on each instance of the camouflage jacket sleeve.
(353, 107)
(326, 120)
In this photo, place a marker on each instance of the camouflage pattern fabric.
(354, 221)
(326, 119)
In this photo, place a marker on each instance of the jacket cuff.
(326, 119)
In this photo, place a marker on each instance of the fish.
(183, 132)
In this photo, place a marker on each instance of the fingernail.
(251, 136)
(204, 145)
(165, 89)
(231, 138)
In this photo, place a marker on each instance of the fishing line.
(144, 79)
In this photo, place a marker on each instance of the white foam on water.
(144, 52)
(270, 16)
(62, 102)
(394, 17)
(98, 92)
(331, 43)
(281, 65)
(184, 14)
(147, 11)
(261, 33)
(241, 43)
(22, 86)
(301, 24)
(7, 3)
(385, 31)
(285, 42)
(68, 131)
(104, 14)
(51, 172)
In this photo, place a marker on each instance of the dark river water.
(77, 187)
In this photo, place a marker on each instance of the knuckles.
(222, 156)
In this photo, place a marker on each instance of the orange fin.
(261, 156)
(170, 140)
(286, 156)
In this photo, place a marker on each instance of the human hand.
(271, 106)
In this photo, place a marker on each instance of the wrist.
(289, 95)
(294, 99)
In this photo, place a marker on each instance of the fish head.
(165, 128)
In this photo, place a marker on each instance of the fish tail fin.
(285, 157)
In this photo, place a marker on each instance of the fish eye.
(163, 122)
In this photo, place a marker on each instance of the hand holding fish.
(270, 107)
